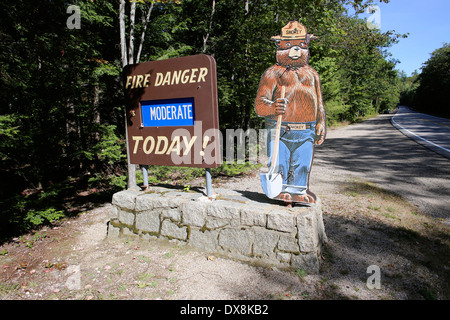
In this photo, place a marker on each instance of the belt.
(295, 126)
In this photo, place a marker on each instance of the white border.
(401, 128)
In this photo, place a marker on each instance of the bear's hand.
(320, 134)
(280, 106)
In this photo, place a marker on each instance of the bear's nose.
(296, 48)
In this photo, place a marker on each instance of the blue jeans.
(296, 151)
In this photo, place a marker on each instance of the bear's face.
(292, 53)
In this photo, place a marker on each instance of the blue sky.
(428, 23)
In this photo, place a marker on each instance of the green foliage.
(179, 175)
(108, 148)
(428, 91)
(61, 103)
(48, 215)
(408, 87)
(336, 112)
(9, 136)
(434, 83)
(8, 130)
(234, 169)
(330, 75)
(119, 182)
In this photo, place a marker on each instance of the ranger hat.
(294, 31)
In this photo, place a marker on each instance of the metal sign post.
(209, 191)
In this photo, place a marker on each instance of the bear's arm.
(264, 96)
(320, 108)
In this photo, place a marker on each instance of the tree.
(407, 88)
(432, 94)
(62, 111)
(58, 92)
(128, 57)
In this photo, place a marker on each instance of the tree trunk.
(123, 43)
(147, 19)
(131, 44)
(96, 111)
(206, 37)
(131, 183)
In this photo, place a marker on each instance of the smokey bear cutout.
(289, 97)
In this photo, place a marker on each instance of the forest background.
(62, 126)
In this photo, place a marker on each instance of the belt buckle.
(296, 126)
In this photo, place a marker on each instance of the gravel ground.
(365, 225)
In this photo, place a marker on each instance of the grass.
(425, 241)
(168, 255)
(8, 288)
(145, 276)
(388, 207)
(301, 273)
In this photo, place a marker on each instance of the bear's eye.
(288, 44)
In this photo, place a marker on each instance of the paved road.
(375, 150)
(433, 132)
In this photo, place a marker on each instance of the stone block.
(173, 214)
(234, 198)
(204, 240)
(125, 199)
(175, 194)
(127, 232)
(288, 243)
(126, 217)
(253, 216)
(225, 209)
(321, 227)
(236, 241)
(175, 198)
(216, 223)
(144, 202)
(284, 257)
(148, 221)
(114, 213)
(194, 213)
(281, 221)
(170, 229)
(308, 239)
(176, 202)
(113, 231)
(195, 196)
(264, 243)
(161, 202)
(308, 262)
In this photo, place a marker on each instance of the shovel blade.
(272, 184)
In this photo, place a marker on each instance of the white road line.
(434, 144)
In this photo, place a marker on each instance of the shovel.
(272, 182)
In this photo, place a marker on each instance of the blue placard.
(168, 113)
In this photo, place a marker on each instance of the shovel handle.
(277, 134)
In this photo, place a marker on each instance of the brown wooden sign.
(172, 112)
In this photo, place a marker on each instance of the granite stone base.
(242, 225)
